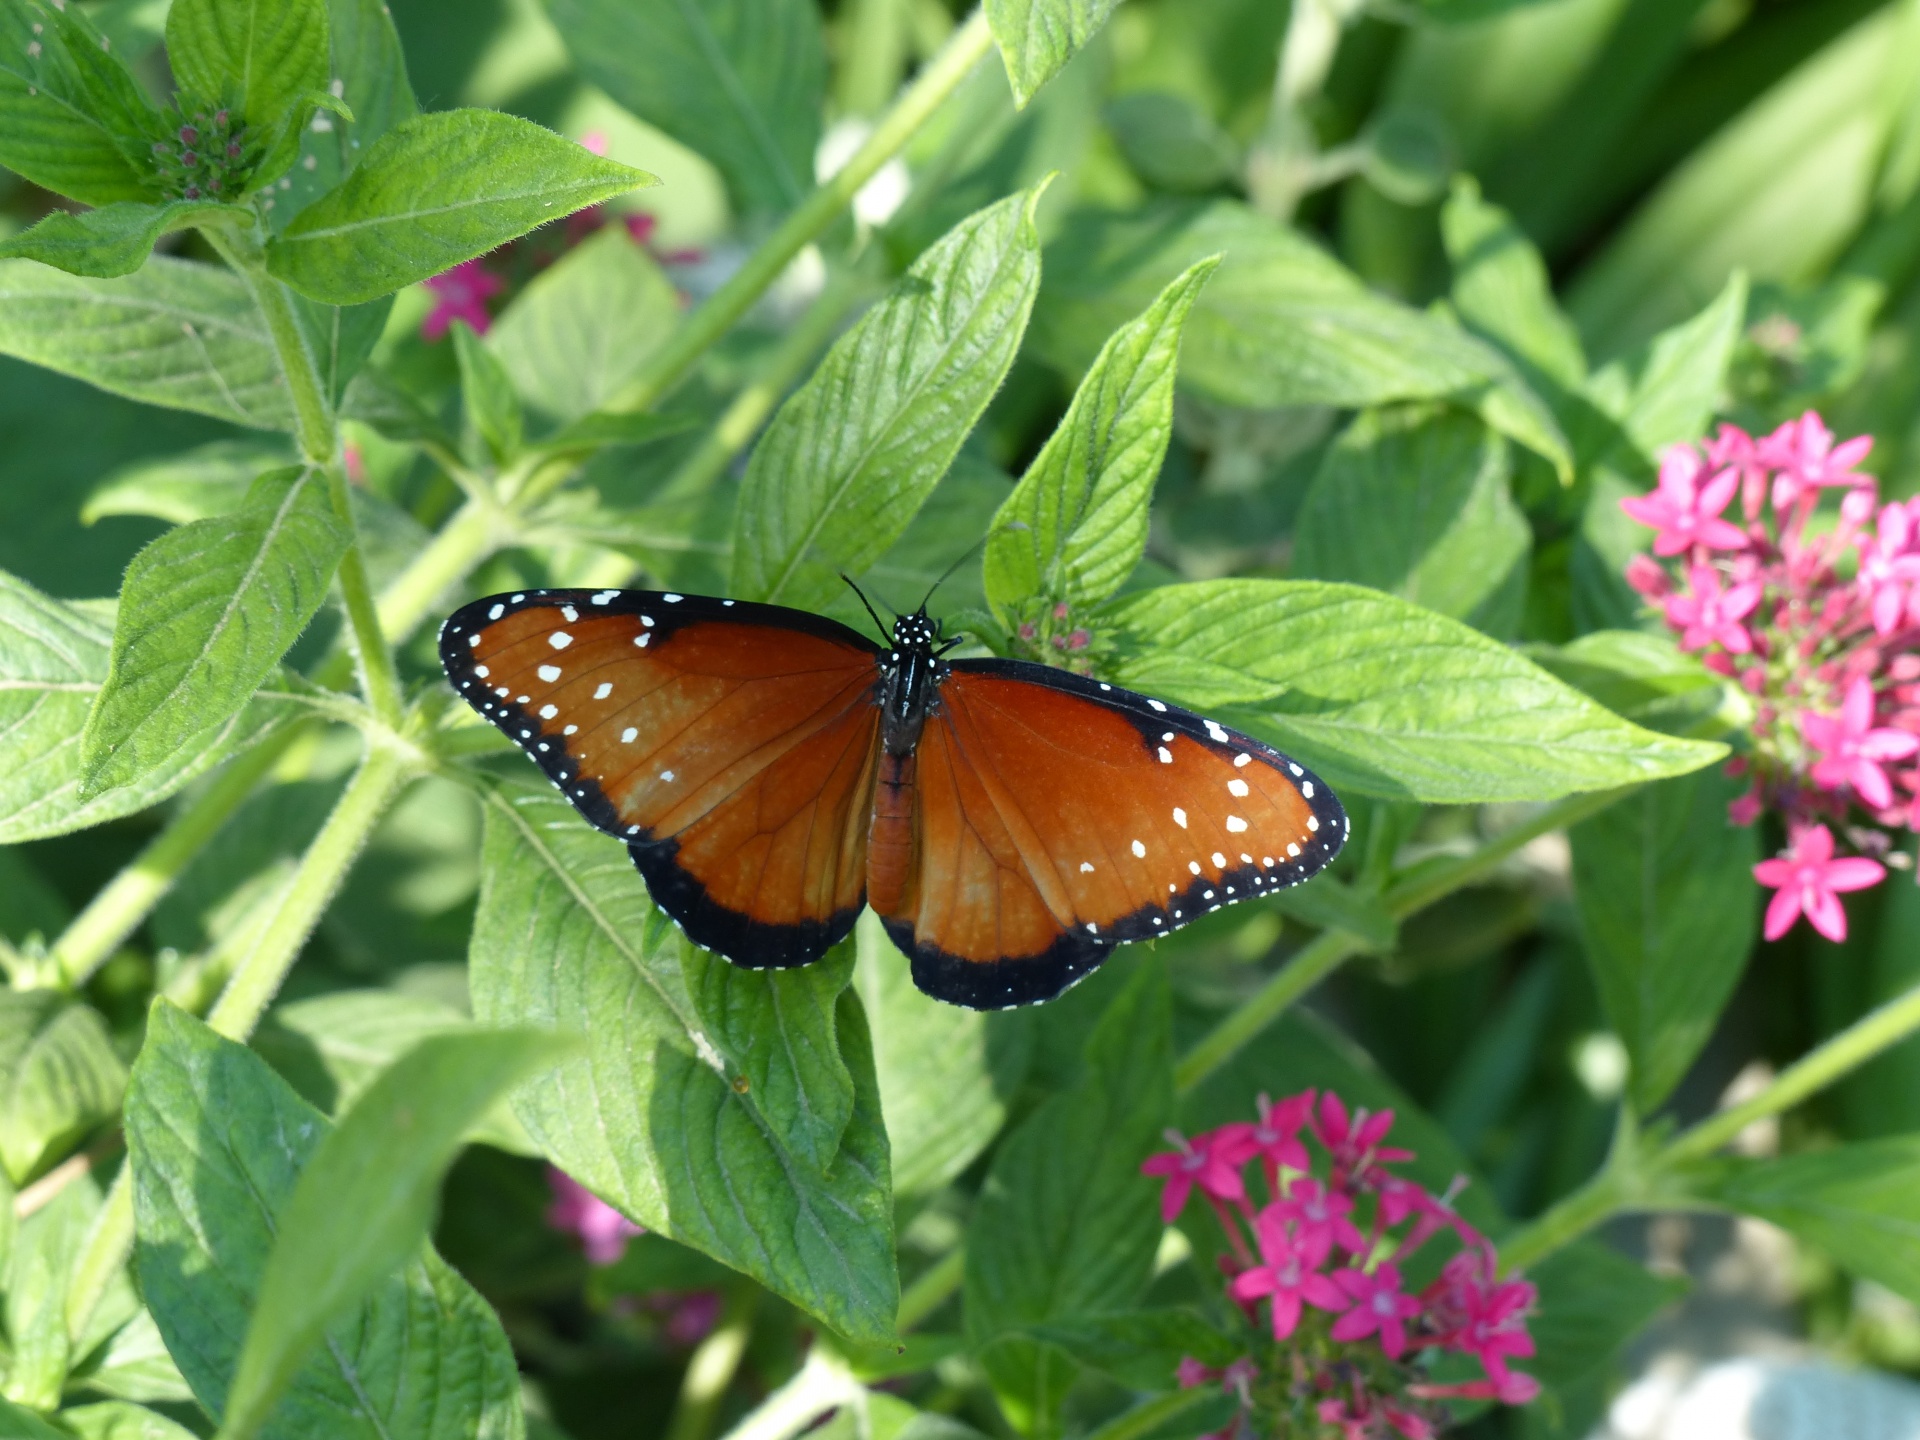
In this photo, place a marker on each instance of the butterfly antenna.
(947, 574)
(886, 635)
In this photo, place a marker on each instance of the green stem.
(933, 1289)
(117, 911)
(1151, 1415)
(711, 1370)
(810, 219)
(108, 1244)
(1567, 1219)
(466, 540)
(1430, 883)
(379, 680)
(321, 871)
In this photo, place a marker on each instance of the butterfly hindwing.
(1058, 816)
(730, 745)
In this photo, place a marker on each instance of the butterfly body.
(772, 771)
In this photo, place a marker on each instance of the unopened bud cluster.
(204, 157)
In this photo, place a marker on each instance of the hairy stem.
(810, 218)
(118, 910)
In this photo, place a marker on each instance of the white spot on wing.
(1219, 860)
(1179, 817)
(641, 639)
(603, 689)
(667, 775)
(1293, 852)
(547, 712)
(1313, 822)
(672, 599)
(1306, 788)
(1166, 756)
(627, 735)
(473, 641)
(1235, 824)
(1194, 866)
(548, 673)
(495, 613)
(604, 596)
(559, 639)
(1241, 760)
(1237, 786)
(571, 613)
(482, 671)
(1139, 850)
(1158, 706)
(1086, 867)
(1213, 729)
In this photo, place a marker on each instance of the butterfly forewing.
(730, 747)
(1058, 816)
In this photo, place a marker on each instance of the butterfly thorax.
(910, 676)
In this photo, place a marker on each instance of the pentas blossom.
(602, 1231)
(1808, 596)
(1325, 1244)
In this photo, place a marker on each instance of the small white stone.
(559, 639)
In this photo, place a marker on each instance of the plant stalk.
(711, 1370)
(118, 909)
(809, 220)
(932, 1289)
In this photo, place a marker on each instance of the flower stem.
(932, 1289)
(1151, 1415)
(810, 219)
(712, 1368)
(117, 911)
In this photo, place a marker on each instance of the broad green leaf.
(1647, 679)
(1076, 525)
(1859, 1203)
(1414, 500)
(370, 75)
(44, 1249)
(366, 1198)
(196, 484)
(132, 1365)
(850, 456)
(1282, 323)
(172, 333)
(260, 57)
(582, 329)
(740, 81)
(1170, 142)
(433, 191)
(21, 1424)
(340, 337)
(1037, 37)
(1142, 1349)
(71, 118)
(217, 1142)
(1593, 1300)
(1501, 288)
(946, 1073)
(1667, 390)
(332, 1047)
(487, 394)
(59, 1077)
(734, 1111)
(615, 428)
(113, 240)
(1386, 697)
(1667, 900)
(53, 662)
(1066, 1226)
(207, 611)
(117, 1420)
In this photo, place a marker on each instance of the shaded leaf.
(1037, 37)
(433, 191)
(217, 1143)
(1076, 525)
(262, 57)
(1592, 1301)
(196, 484)
(113, 240)
(118, 1420)
(493, 409)
(711, 1102)
(372, 76)
(207, 611)
(59, 1077)
(1142, 1349)
(851, 455)
(1385, 697)
(1502, 290)
(739, 81)
(71, 118)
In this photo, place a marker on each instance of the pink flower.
(1734, 449)
(1289, 1276)
(1354, 1144)
(603, 1231)
(1804, 453)
(460, 294)
(1378, 1308)
(1709, 615)
(1808, 880)
(1685, 512)
(1274, 1136)
(1319, 1220)
(1853, 750)
(1649, 578)
(1889, 569)
(1407, 1423)
(1205, 1162)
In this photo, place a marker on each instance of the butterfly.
(771, 771)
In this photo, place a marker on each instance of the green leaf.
(113, 240)
(53, 662)
(1668, 389)
(207, 611)
(117, 1420)
(1142, 1349)
(1385, 697)
(196, 484)
(1066, 1226)
(59, 1077)
(36, 1274)
(1859, 1203)
(1501, 288)
(370, 74)
(1037, 37)
(1282, 323)
(71, 118)
(739, 81)
(611, 428)
(19, 1424)
(1414, 500)
(1076, 525)
(132, 1365)
(1170, 142)
(851, 455)
(217, 1143)
(492, 407)
(582, 329)
(366, 1197)
(261, 57)
(172, 333)
(1646, 679)
(434, 191)
(734, 1111)
(946, 1073)
(1592, 1301)
(1667, 909)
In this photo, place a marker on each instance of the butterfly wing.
(730, 745)
(1058, 816)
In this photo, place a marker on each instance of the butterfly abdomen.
(890, 838)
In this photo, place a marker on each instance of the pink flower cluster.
(1319, 1240)
(602, 1231)
(1814, 609)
